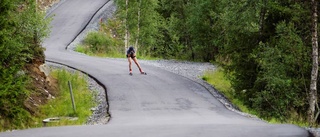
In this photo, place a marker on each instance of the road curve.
(155, 105)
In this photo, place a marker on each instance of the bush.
(107, 42)
(99, 44)
(278, 91)
(12, 96)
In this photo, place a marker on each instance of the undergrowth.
(107, 42)
(100, 44)
(219, 80)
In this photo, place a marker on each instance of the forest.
(268, 48)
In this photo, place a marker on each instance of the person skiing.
(131, 55)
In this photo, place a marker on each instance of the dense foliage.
(21, 31)
(264, 45)
(104, 42)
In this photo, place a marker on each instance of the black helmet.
(131, 48)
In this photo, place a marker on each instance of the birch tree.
(127, 28)
(138, 24)
(314, 73)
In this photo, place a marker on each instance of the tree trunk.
(263, 13)
(314, 73)
(126, 41)
(138, 26)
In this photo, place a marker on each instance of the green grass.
(218, 79)
(61, 106)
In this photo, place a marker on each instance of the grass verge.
(218, 79)
(61, 106)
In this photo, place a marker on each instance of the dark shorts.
(131, 55)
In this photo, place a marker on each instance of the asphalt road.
(155, 105)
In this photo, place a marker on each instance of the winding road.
(159, 104)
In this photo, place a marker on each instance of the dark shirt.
(130, 52)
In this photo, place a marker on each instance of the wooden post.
(72, 98)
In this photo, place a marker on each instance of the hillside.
(43, 86)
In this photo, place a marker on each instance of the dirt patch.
(44, 88)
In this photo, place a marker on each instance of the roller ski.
(143, 73)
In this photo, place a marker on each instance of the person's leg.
(137, 63)
(130, 68)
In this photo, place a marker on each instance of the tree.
(238, 39)
(175, 35)
(203, 29)
(265, 47)
(142, 27)
(315, 65)
(21, 32)
(127, 27)
(138, 24)
(279, 84)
